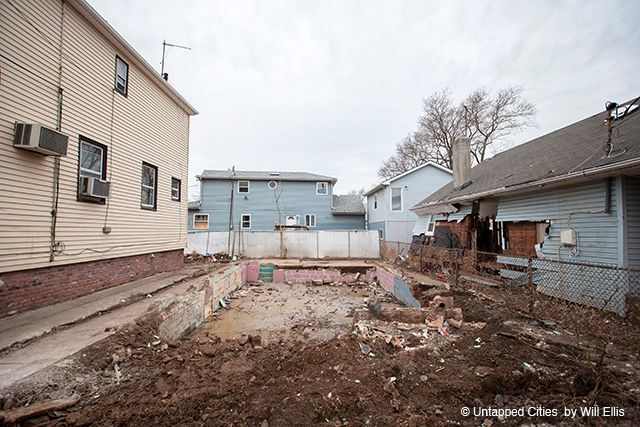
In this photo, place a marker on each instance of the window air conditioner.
(94, 187)
(40, 139)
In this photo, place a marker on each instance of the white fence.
(288, 244)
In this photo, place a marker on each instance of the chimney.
(461, 161)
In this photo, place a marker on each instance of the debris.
(148, 295)
(482, 371)
(15, 415)
(222, 303)
(435, 321)
(455, 323)
(365, 349)
(442, 302)
(424, 378)
(528, 368)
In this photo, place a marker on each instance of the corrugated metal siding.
(296, 198)
(462, 212)
(633, 220)
(597, 232)
(147, 126)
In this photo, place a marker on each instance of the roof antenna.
(164, 45)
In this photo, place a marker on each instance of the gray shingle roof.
(565, 152)
(264, 175)
(195, 205)
(348, 205)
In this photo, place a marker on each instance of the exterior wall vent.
(40, 139)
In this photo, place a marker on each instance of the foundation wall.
(29, 289)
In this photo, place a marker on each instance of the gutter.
(515, 188)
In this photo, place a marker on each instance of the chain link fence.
(533, 284)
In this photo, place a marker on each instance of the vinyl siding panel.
(597, 232)
(295, 198)
(633, 220)
(147, 125)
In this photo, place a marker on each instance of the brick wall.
(29, 289)
(522, 238)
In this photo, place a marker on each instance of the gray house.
(263, 201)
(575, 192)
(389, 203)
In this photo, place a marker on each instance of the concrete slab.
(35, 323)
(53, 348)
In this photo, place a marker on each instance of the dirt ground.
(285, 355)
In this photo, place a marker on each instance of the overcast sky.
(330, 86)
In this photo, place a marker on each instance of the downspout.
(55, 248)
(230, 217)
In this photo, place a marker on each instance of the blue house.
(575, 193)
(389, 203)
(264, 201)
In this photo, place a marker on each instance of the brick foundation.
(28, 289)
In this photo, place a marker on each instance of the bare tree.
(483, 118)
(359, 193)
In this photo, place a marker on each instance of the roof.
(264, 175)
(195, 205)
(130, 53)
(573, 152)
(348, 204)
(390, 180)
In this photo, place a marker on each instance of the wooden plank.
(15, 415)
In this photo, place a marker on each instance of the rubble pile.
(408, 328)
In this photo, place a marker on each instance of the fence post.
(398, 251)
(530, 283)
(457, 269)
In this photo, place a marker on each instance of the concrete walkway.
(53, 347)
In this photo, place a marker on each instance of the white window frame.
(178, 189)
(401, 199)
(88, 172)
(430, 221)
(242, 227)
(318, 185)
(307, 221)
(248, 187)
(193, 224)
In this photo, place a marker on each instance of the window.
(122, 76)
(243, 186)
(149, 187)
(92, 163)
(322, 188)
(396, 199)
(375, 202)
(431, 225)
(310, 220)
(272, 185)
(201, 221)
(245, 222)
(175, 189)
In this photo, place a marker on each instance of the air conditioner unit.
(40, 139)
(94, 187)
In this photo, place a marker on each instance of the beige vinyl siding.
(147, 126)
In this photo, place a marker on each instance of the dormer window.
(322, 188)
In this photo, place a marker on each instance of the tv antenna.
(164, 46)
